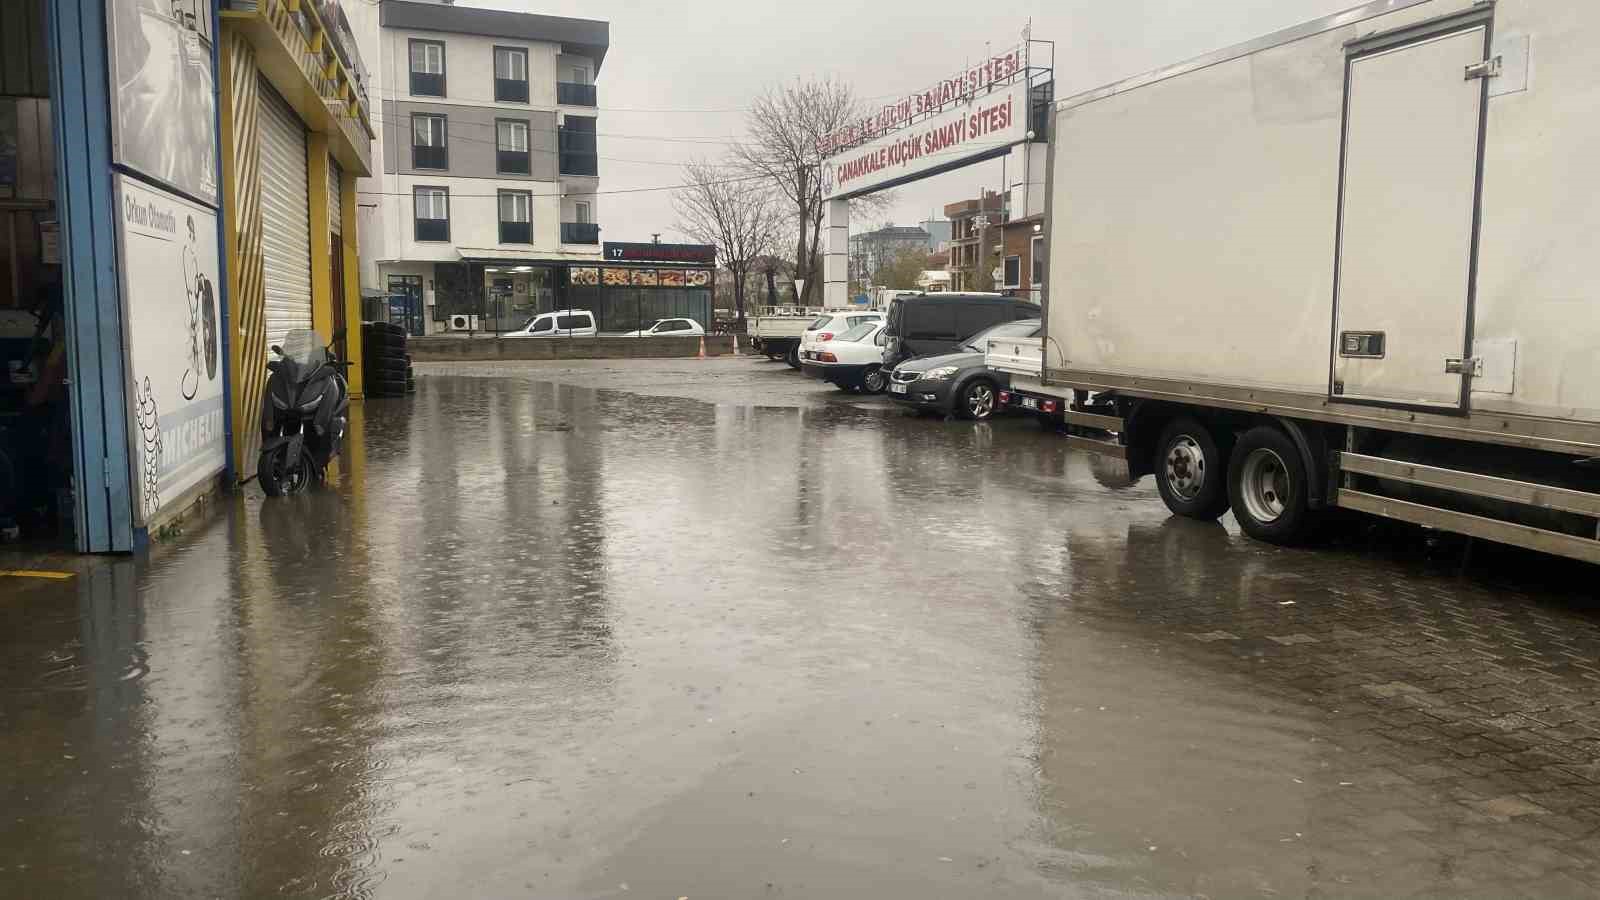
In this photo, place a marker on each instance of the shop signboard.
(163, 93)
(170, 278)
(987, 126)
(615, 251)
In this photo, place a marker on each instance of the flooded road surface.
(706, 629)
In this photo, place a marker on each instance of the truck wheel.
(1191, 471)
(1269, 488)
(793, 359)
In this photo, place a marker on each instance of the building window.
(516, 217)
(432, 213)
(581, 212)
(1013, 272)
(427, 68)
(511, 147)
(1037, 250)
(429, 148)
(510, 75)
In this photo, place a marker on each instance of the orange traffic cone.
(702, 354)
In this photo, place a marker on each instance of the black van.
(926, 324)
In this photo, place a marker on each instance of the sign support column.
(836, 256)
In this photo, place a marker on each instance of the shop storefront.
(146, 220)
(296, 133)
(641, 283)
(636, 285)
(113, 316)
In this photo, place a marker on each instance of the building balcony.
(572, 94)
(510, 90)
(586, 164)
(580, 233)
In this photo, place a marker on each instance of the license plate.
(1029, 403)
(897, 389)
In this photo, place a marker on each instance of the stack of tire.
(385, 363)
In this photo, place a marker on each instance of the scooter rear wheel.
(281, 477)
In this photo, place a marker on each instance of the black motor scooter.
(303, 414)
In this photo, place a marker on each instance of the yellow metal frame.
(310, 75)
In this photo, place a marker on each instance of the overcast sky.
(684, 71)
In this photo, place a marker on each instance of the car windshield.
(819, 323)
(858, 333)
(1022, 328)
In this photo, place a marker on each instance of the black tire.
(378, 341)
(1191, 470)
(1269, 488)
(386, 385)
(793, 357)
(977, 400)
(874, 380)
(386, 365)
(279, 478)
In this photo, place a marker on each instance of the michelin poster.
(163, 92)
(170, 278)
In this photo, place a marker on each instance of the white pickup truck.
(776, 331)
(1022, 359)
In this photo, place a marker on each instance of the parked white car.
(832, 324)
(852, 360)
(670, 328)
(561, 323)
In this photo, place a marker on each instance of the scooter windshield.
(306, 350)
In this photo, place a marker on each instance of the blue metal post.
(86, 207)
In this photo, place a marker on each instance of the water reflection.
(544, 640)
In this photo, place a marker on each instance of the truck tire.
(793, 357)
(1191, 470)
(1269, 488)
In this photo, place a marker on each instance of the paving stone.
(1507, 807)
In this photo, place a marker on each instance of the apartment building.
(486, 193)
(972, 222)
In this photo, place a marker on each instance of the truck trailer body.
(1374, 239)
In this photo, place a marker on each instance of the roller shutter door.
(285, 218)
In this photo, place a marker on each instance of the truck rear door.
(1408, 215)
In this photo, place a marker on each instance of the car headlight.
(943, 373)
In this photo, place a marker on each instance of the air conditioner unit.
(463, 322)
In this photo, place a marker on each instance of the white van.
(561, 323)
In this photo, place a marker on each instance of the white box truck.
(1353, 264)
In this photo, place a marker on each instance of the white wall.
(474, 216)
(469, 69)
(387, 231)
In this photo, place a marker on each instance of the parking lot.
(707, 628)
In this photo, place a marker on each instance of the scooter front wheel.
(281, 476)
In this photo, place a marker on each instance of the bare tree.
(902, 268)
(786, 124)
(739, 217)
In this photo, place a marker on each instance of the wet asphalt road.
(707, 629)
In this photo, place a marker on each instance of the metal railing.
(570, 93)
(580, 233)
